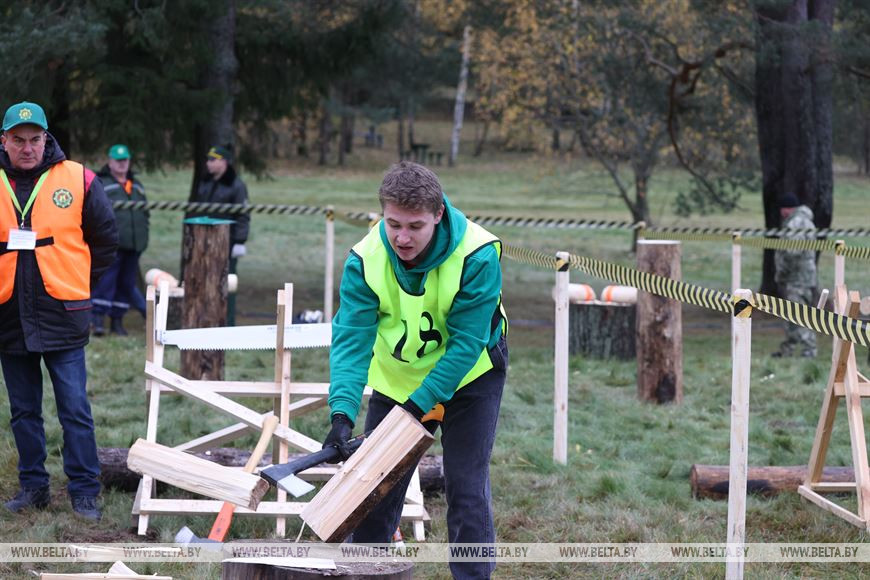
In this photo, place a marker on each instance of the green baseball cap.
(24, 113)
(119, 152)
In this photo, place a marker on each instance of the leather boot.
(118, 327)
(29, 497)
(87, 506)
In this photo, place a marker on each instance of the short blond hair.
(411, 186)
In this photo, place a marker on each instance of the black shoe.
(29, 497)
(87, 506)
(118, 327)
(97, 328)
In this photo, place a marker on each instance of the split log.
(196, 475)
(659, 327)
(396, 445)
(602, 330)
(247, 570)
(206, 255)
(711, 481)
(114, 473)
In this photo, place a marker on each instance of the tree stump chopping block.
(659, 327)
(391, 570)
(206, 255)
(602, 330)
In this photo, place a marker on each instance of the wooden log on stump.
(602, 330)
(206, 255)
(711, 481)
(236, 570)
(659, 327)
(114, 473)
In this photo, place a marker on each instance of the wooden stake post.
(289, 400)
(560, 397)
(741, 351)
(844, 382)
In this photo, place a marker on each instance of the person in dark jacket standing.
(222, 184)
(117, 289)
(57, 235)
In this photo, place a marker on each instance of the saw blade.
(248, 337)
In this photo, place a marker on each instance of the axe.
(284, 475)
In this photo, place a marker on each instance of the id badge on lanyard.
(21, 239)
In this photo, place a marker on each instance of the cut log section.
(394, 447)
(711, 481)
(602, 330)
(196, 475)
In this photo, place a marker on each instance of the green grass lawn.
(627, 474)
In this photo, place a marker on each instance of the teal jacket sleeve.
(468, 324)
(354, 330)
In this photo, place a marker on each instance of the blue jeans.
(467, 437)
(23, 376)
(116, 290)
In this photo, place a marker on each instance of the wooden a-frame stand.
(289, 400)
(844, 382)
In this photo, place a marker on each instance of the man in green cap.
(57, 235)
(117, 289)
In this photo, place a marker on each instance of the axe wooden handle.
(225, 516)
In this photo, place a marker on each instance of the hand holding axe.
(284, 475)
(225, 517)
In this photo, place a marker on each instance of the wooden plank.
(863, 389)
(268, 508)
(257, 388)
(328, 266)
(283, 363)
(217, 438)
(195, 475)
(831, 487)
(395, 446)
(856, 421)
(560, 364)
(741, 352)
(227, 405)
(835, 509)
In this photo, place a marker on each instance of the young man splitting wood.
(421, 322)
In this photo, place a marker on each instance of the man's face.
(217, 167)
(25, 145)
(119, 166)
(409, 231)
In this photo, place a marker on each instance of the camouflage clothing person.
(796, 276)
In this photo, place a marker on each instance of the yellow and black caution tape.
(654, 234)
(788, 244)
(821, 321)
(360, 218)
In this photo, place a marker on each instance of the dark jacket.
(31, 320)
(228, 189)
(132, 223)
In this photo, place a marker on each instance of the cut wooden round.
(347, 570)
(602, 330)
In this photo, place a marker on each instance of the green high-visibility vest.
(412, 329)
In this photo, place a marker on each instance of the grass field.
(627, 473)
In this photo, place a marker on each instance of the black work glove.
(412, 408)
(338, 436)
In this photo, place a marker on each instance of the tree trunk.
(478, 147)
(459, 108)
(400, 137)
(206, 253)
(411, 139)
(793, 104)
(659, 327)
(217, 79)
(325, 135)
(711, 481)
(602, 330)
(302, 135)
